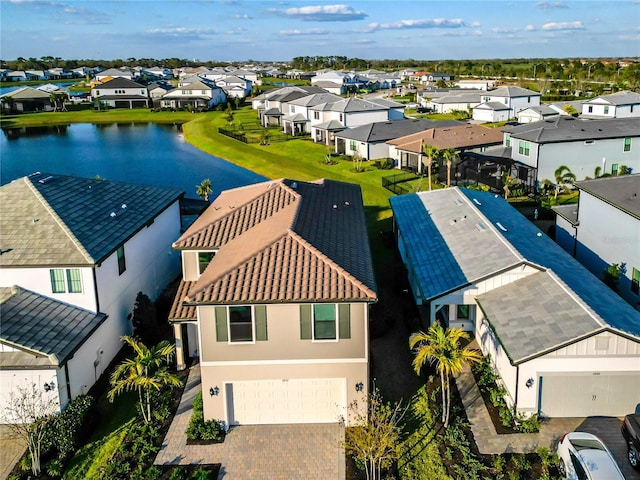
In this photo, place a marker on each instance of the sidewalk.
(11, 450)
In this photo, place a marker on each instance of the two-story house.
(120, 93)
(197, 94)
(277, 283)
(515, 98)
(234, 86)
(586, 147)
(603, 228)
(616, 105)
(85, 243)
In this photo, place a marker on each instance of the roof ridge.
(360, 285)
(58, 220)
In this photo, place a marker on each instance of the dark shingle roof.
(623, 192)
(43, 325)
(383, 131)
(568, 129)
(62, 220)
(119, 82)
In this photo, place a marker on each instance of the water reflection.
(15, 133)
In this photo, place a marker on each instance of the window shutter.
(221, 324)
(344, 319)
(305, 322)
(261, 322)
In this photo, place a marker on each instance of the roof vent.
(335, 207)
(112, 214)
(480, 227)
(346, 204)
(459, 202)
(294, 185)
(124, 205)
(475, 200)
(538, 234)
(501, 227)
(46, 179)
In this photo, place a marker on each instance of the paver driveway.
(276, 452)
(11, 450)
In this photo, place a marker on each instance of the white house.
(234, 86)
(297, 116)
(516, 98)
(92, 244)
(536, 114)
(491, 112)
(197, 94)
(562, 342)
(581, 145)
(120, 93)
(604, 228)
(462, 101)
(616, 105)
(111, 73)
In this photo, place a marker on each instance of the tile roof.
(512, 91)
(565, 128)
(62, 220)
(492, 106)
(623, 192)
(282, 241)
(625, 97)
(25, 93)
(389, 130)
(442, 253)
(119, 82)
(315, 99)
(462, 136)
(44, 326)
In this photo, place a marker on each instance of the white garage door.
(286, 401)
(589, 395)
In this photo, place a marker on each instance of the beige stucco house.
(277, 283)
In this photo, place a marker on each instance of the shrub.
(178, 474)
(71, 427)
(202, 474)
(201, 430)
(153, 473)
(54, 468)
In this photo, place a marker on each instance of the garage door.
(589, 395)
(286, 401)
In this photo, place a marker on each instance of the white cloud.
(529, 28)
(544, 5)
(179, 33)
(504, 30)
(297, 32)
(322, 13)
(424, 23)
(563, 26)
(473, 24)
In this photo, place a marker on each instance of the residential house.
(234, 86)
(120, 93)
(25, 99)
(275, 304)
(345, 113)
(603, 228)
(157, 91)
(297, 116)
(623, 104)
(536, 114)
(16, 76)
(516, 98)
(77, 251)
(271, 105)
(160, 73)
(562, 342)
(484, 84)
(408, 151)
(198, 95)
(463, 101)
(491, 112)
(37, 75)
(581, 145)
(370, 140)
(396, 110)
(111, 73)
(339, 83)
(426, 78)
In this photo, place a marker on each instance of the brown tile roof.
(306, 241)
(463, 136)
(180, 311)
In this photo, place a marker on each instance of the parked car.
(583, 456)
(631, 433)
(421, 109)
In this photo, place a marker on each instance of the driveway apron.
(287, 452)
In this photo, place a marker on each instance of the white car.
(583, 456)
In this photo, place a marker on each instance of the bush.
(71, 427)
(201, 430)
(202, 474)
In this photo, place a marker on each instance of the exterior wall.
(449, 107)
(486, 115)
(355, 119)
(608, 235)
(101, 91)
(565, 234)
(396, 114)
(284, 343)
(626, 111)
(621, 356)
(599, 107)
(190, 267)
(39, 280)
(581, 158)
(11, 380)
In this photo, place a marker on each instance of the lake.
(137, 153)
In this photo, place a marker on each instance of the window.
(507, 140)
(463, 312)
(122, 264)
(614, 169)
(523, 148)
(204, 258)
(187, 92)
(590, 109)
(627, 144)
(340, 117)
(324, 322)
(635, 281)
(589, 142)
(528, 99)
(293, 109)
(506, 101)
(73, 283)
(241, 323)
(606, 110)
(316, 115)
(97, 93)
(352, 145)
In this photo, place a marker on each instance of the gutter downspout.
(95, 289)
(515, 403)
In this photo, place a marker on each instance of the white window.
(73, 282)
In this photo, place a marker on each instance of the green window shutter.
(261, 322)
(221, 324)
(305, 322)
(344, 318)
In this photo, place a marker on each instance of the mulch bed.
(494, 412)
(168, 470)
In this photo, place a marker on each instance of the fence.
(396, 183)
(253, 134)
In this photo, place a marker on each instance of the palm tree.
(442, 348)
(144, 373)
(563, 177)
(432, 153)
(451, 156)
(204, 189)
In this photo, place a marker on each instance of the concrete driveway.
(11, 451)
(276, 452)
(608, 430)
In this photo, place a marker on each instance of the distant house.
(604, 228)
(126, 73)
(536, 114)
(275, 304)
(370, 140)
(234, 86)
(157, 91)
(272, 105)
(297, 116)
(476, 84)
(76, 251)
(563, 343)
(516, 98)
(197, 94)
(616, 105)
(581, 145)
(25, 99)
(461, 101)
(490, 112)
(120, 93)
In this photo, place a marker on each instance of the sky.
(241, 30)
